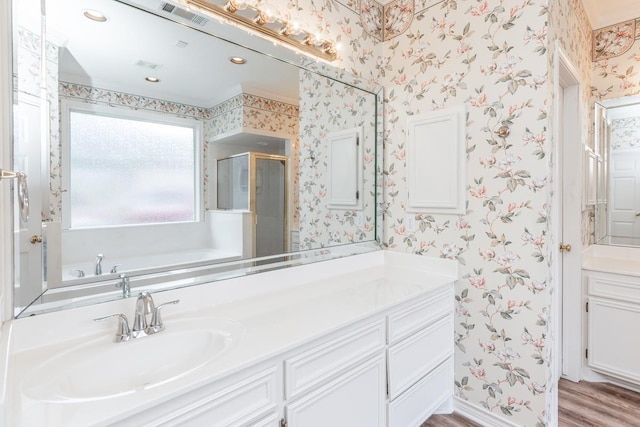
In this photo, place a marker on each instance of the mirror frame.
(102, 291)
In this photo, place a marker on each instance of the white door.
(27, 158)
(625, 195)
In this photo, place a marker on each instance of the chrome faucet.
(125, 285)
(144, 307)
(98, 269)
(142, 326)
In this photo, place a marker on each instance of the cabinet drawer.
(618, 287)
(354, 399)
(320, 363)
(404, 322)
(236, 406)
(271, 421)
(412, 358)
(417, 404)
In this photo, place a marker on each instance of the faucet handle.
(114, 269)
(76, 273)
(156, 320)
(123, 333)
(125, 285)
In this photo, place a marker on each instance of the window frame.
(70, 106)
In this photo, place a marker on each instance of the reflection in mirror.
(125, 149)
(618, 171)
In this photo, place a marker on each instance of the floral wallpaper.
(614, 40)
(570, 26)
(250, 113)
(615, 71)
(496, 57)
(255, 112)
(350, 108)
(96, 95)
(28, 82)
(492, 57)
(616, 60)
(625, 133)
(28, 58)
(385, 22)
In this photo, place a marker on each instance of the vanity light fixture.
(152, 79)
(237, 60)
(263, 21)
(94, 15)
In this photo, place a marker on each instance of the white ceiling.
(105, 55)
(603, 13)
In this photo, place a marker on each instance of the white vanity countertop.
(612, 259)
(292, 306)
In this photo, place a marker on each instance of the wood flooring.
(581, 405)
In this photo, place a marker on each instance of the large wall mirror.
(617, 183)
(154, 145)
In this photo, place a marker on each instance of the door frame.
(567, 329)
(6, 156)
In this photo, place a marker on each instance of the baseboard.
(480, 415)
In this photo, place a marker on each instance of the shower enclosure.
(257, 182)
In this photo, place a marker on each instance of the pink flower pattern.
(497, 57)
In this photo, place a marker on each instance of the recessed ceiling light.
(152, 79)
(94, 15)
(237, 60)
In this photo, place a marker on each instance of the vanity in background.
(610, 268)
(364, 340)
(611, 277)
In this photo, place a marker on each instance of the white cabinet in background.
(614, 325)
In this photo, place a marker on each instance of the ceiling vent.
(183, 13)
(147, 64)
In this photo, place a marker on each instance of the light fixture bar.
(324, 49)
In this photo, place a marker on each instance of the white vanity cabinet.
(420, 359)
(353, 399)
(250, 398)
(369, 345)
(614, 325)
(393, 369)
(341, 382)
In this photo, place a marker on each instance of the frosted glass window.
(124, 171)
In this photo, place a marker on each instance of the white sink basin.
(102, 369)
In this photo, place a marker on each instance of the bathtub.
(143, 264)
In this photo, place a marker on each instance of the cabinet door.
(614, 348)
(355, 399)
